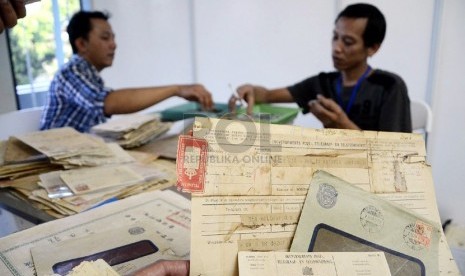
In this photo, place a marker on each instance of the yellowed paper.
(117, 155)
(314, 263)
(98, 178)
(222, 226)
(119, 126)
(93, 268)
(16, 152)
(64, 142)
(169, 212)
(132, 130)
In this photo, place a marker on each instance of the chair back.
(422, 117)
(19, 122)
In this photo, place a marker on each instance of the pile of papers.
(64, 172)
(132, 130)
(263, 187)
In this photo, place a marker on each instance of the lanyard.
(354, 90)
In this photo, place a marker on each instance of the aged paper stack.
(132, 130)
(250, 181)
(65, 172)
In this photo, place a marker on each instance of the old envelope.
(169, 211)
(340, 217)
(126, 248)
(313, 263)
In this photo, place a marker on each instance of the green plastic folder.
(268, 113)
(192, 109)
(264, 113)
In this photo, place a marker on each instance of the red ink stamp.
(81, 187)
(191, 163)
(418, 235)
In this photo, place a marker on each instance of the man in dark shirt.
(356, 96)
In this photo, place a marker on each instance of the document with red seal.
(191, 163)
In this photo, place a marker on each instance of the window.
(38, 47)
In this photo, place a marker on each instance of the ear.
(373, 49)
(81, 45)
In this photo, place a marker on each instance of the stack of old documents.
(132, 130)
(254, 184)
(65, 172)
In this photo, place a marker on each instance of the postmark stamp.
(418, 235)
(371, 219)
(137, 230)
(191, 163)
(326, 196)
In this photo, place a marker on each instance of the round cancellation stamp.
(371, 219)
(326, 196)
(136, 230)
(418, 235)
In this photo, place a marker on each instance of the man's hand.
(196, 92)
(330, 113)
(10, 12)
(251, 94)
(165, 268)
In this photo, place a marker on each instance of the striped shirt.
(76, 97)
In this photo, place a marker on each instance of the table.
(22, 208)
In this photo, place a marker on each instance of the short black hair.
(80, 25)
(375, 29)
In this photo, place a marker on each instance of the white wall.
(154, 44)
(447, 147)
(272, 43)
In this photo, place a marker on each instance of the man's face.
(348, 48)
(99, 48)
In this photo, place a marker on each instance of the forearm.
(280, 95)
(337, 120)
(346, 123)
(130, 100)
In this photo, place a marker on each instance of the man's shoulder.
(328, 75)
(75, 62)
(385, 78)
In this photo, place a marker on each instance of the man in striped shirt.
(78, 98)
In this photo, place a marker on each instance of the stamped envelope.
(126, 249)
(339, 217)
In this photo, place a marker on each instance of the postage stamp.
(191, 163)
(418, 235)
